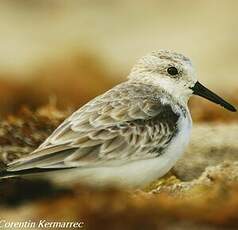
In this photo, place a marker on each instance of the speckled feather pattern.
(126, 123)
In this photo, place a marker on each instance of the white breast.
(177, 145)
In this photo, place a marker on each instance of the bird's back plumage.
(130, 122)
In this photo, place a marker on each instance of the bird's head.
(174, 73)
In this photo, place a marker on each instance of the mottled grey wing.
(126, 123)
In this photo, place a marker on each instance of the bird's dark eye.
(172, 71)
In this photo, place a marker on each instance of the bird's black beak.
(200, 90)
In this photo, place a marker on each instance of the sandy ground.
(200, 192)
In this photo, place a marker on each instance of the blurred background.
(70, 51)
(64, 53)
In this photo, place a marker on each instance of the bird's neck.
(169, 95)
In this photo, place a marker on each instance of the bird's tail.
(3, 171)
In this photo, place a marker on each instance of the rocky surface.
(199, 193)
(211, 144)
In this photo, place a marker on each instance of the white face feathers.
(168, 70)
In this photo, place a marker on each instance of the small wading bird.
(132, 134)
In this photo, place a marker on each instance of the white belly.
(137, 173)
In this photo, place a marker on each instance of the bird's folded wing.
(123, 124)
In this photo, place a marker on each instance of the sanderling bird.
(132, 134)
